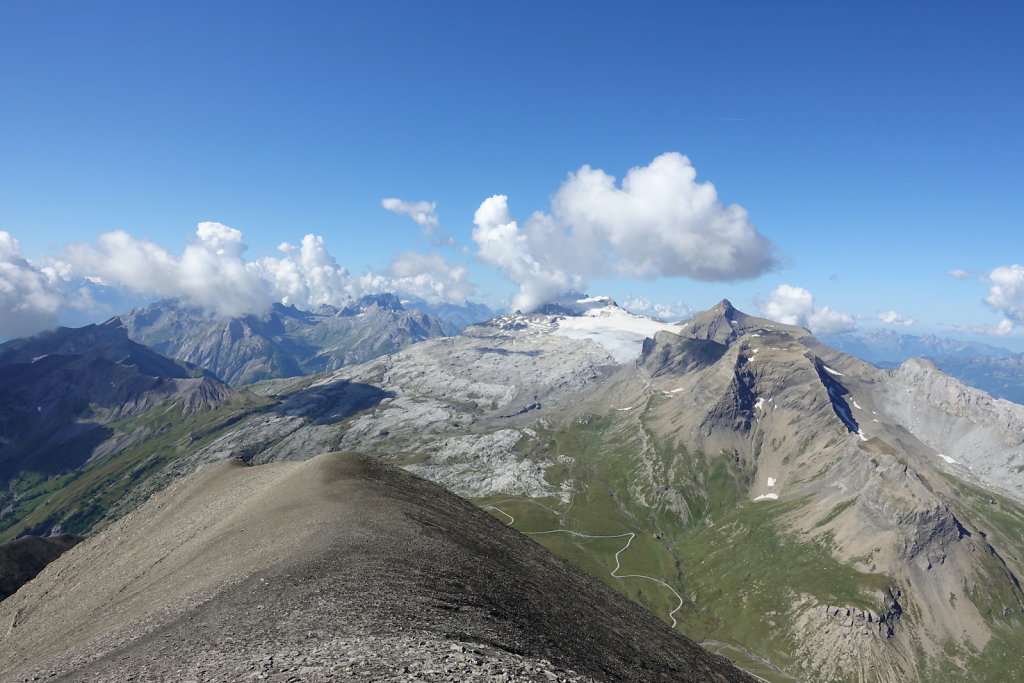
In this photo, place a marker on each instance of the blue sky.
(877, 147)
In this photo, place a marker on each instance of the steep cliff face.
(975, 434)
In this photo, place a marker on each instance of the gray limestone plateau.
(285, 341)
(339, 567)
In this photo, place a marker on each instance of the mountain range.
(885, 347)
(285, 341)
(993, 369)
(782, 502)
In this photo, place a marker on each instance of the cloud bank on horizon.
(211, 273)
(1006, 296)
(31, 296)
(658, 222)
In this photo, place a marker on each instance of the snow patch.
(860, 433)
(615, 329)
(857, 406)
(767, 496)
(771, 482)
(948, 459)
(759, 403)
(833, 372)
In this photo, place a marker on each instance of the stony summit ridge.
(339, 567)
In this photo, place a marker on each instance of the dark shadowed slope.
(21, 560)
(339, 565)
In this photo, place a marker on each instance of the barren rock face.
(967, 426)
(335, 566)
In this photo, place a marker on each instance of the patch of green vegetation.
(745, 567)
(835, 512)
(730, 559)
(79, 501)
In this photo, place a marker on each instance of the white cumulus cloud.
(1005, 327)
(658, 222)
(424, 214)
(795, 306)
(31, 296)
(213, 274)
(430, 277)
(504, 245)
(959, 274)
(674, 311)
(210, 272)
(894, 318)
(1006, 292)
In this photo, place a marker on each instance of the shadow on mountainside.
(331, 402)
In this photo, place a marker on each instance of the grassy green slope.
(739, 569)
(80, 499)
(728, 558)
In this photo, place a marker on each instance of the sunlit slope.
(336, 566)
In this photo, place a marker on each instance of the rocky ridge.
(339, 567)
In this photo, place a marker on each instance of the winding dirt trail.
(618, 561)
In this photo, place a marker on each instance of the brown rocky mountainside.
(337, 567)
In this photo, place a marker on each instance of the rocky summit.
(337, 568)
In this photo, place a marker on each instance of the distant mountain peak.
(574, 303)
(724, 323)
